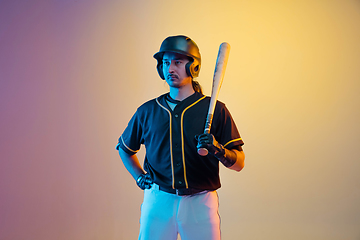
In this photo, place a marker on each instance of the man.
(180, 185)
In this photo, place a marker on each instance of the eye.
(177, 62)
(166, 63)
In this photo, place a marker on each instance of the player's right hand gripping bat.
(219, 72)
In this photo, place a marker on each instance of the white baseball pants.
(164, 215)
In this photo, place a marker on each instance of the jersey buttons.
(176, 115)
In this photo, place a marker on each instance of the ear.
(160, 70)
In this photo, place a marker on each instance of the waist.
(182, 191)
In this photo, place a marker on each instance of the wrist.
(219, 150)
(227, 157)
(144, 181)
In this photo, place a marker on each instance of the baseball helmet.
(182, 45)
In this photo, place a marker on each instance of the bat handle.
(204, 151)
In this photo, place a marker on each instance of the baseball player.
(180, 185)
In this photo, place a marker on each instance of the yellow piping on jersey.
(234, 140)
(171, 153)
(182, 138)
(134, 151)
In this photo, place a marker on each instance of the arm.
(132, 164)
(240, 160)
(230, 158)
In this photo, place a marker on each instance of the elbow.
(240, 163)
(242, 166)
(239, 167)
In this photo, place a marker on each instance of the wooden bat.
(219, 73)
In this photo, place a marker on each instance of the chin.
(173, 84)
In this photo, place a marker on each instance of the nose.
(171, 67)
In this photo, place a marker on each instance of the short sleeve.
(131, 139)
(226, 131)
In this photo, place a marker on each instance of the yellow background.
(72, 73)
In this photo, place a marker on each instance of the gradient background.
(72, 74)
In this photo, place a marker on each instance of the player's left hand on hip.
(208, 141)
(144, 181)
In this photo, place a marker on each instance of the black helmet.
(182, 45)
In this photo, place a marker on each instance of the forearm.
(131, 163)
(230, 158)
(240, 160)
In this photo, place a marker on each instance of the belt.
(181, 191)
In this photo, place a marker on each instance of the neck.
(181, 93)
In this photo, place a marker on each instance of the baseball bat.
(219, 73)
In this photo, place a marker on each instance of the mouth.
(172, 77)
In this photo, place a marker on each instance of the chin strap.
(225, 156)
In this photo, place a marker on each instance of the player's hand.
(227, 157)
(144, 181)
(207, 140)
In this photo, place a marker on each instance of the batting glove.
(144, 181)
(208, 141)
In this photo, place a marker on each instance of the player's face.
(174, 69)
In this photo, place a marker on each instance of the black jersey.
(169, 138)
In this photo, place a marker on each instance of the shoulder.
(199, 97)
(220, 104)
(151, 104)
(221, 111)
(221, 107)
